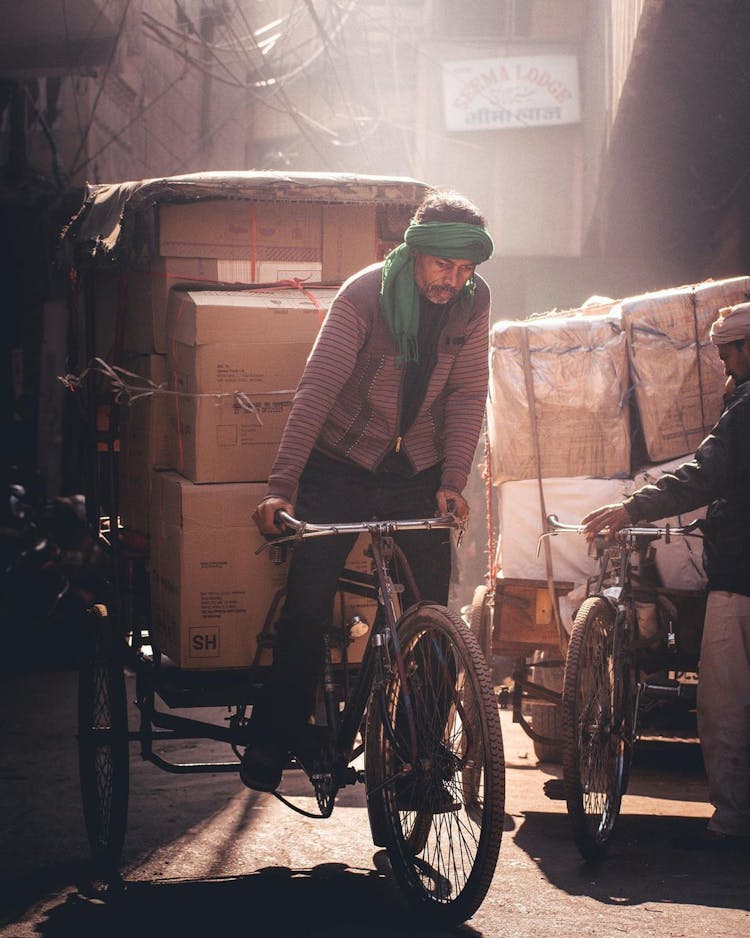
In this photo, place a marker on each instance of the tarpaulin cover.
(116, 221)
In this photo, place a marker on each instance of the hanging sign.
(524, 91)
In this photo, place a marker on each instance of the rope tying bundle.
(129, 387)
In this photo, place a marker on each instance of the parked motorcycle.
(50, 572)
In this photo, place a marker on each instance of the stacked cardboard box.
(235, 359)
(576, 449)
(144, 438)
(205, 244)
(678, 379)
(212, 594)
(196, 291)
(557, 397)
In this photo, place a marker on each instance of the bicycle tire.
(480, 621)
(595, 745)
(545, 720)
(103, 749)
(443, 857)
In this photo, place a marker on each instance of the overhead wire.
(328, 29)
(100, 89)
(279, 89)
(116, 136)
(159, 32)
(74, 64)
(156, 35)
(334, 71)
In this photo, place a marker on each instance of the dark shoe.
(425, 794)
(309, 744)
(262, 765)
(713, 841)
(554, 789)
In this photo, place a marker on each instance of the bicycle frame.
(613, 583)
(383, 647)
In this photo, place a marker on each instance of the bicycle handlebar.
(684, 530)
(554, 527)
(305, 529)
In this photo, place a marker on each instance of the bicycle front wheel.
(596, 747)
(435, 768)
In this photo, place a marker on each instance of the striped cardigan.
(348, 402)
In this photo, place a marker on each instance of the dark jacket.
(349, 401)
(717, 476)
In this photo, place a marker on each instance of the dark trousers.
(330, 491)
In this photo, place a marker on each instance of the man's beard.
(441, 294)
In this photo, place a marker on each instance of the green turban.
(399, 297)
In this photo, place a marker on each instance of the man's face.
(440, 279)
(736, 358)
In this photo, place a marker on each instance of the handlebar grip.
(284, 520)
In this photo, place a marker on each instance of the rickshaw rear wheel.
(103, 756)
(480, 620)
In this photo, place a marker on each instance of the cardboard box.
(677, 375)
(144, 439)
(231, 242)
(210, 592)
(350, 240)
(236, 359)
(558, 385)
(256, 231)
(148, 294)
(211, 595)
(148, 290)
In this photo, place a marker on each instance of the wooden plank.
(523, 617)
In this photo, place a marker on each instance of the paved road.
(203, 852)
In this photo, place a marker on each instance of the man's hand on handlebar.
(612, 517)
(264, 514)
(451, 503)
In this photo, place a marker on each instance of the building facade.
(604, 139)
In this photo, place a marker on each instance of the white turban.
(733, 324)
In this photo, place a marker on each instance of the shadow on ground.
(328, 900)
(643, 864)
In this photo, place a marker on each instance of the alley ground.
(204, 855)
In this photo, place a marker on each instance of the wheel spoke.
(594, 745)
(444, 813)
